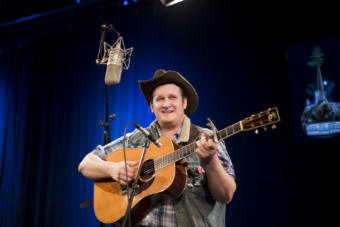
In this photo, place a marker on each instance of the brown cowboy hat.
(161, 77)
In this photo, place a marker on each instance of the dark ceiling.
(14, 10)
(16, 14)
(300, 16)
(11, 10)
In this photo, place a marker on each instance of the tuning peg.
(256, 132)
(265, 128)
(274, 126)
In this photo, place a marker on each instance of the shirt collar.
(182, 134)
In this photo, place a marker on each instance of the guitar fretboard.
(190, 148)
(229, 131)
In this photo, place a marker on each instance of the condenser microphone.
(148, 134)
(114, 66)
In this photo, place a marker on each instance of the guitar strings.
(149, 167)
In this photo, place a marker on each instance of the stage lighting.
(170, 2)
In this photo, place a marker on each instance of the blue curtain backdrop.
(52, 98)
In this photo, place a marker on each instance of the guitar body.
(110, 200)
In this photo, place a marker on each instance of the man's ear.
(151, 106)
(185, 102)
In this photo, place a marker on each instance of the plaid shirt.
(164, 215)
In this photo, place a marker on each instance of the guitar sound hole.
(148, 170)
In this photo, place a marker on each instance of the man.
(210, 178)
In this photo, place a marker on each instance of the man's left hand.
(206, 148)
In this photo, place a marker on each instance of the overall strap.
(195, 131)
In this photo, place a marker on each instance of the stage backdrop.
(52, 98)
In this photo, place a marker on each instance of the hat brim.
(148, 86)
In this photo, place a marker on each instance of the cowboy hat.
(161, 77)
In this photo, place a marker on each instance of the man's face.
(168, 105)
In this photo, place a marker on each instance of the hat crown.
(159, 73)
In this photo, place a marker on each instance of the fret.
(161, 161)
(184, 151)
(237, 127)
(229, 131)
(221, 134)
(164, 161)
(181, 152)
(174, 156)
(171, 157)
(156, 164)
(193, 146)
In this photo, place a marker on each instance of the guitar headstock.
(262, 119)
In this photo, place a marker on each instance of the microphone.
(148, 134)
(114, 65)
(118, 59)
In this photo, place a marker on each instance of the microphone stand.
(100, 61)
(106, 124)
(134, 186)
(104, 29)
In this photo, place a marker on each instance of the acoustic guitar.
(162, 175)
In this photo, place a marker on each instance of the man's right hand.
(95, 168)
(119, 172)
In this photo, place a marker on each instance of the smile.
(167, 111)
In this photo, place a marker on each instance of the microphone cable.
(126, 171)
(127, 178)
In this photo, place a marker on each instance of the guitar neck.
(189, 149)
(262, 119)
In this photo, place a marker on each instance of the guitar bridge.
(125, 189)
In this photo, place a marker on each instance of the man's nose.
(166, 102)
